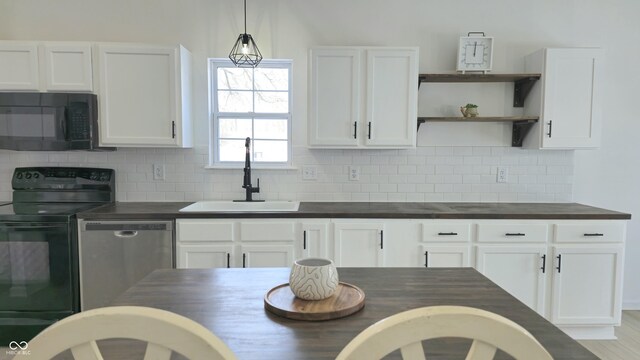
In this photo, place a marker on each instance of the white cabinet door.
(334, 106)
(520, 270)
(68, 67)
(392, 97)
(567, 98)
(19, 69)
(359, 244)
(314, 239)
(445, 255)
(347, 81)
(267, 255)
(587, 285)
(144, 92)
(204, 256)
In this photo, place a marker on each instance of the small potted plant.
(469, 110)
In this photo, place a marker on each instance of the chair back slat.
(157, 352)
(481, 350)
(413, 351)
(86, 351)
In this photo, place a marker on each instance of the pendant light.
(245, 52)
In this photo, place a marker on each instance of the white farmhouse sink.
(231, 206)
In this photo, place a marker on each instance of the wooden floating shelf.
(520, 128)
(464, 78)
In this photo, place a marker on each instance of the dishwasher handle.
(125, 233)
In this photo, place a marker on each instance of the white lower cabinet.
(358, 244)
(518, 269)
(207, 243)
(586, 285)
(434, 256)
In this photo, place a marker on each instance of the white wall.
(287, 28)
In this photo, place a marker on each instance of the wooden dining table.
(230, 303)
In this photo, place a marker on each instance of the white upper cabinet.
(567, 98)
(46, 66)
(68, 67)
(363, 97)
(19, 68)
(145, 94)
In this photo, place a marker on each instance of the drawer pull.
(559, 263)
(544, 263)
(304, 240)
(593, 234)
(244, 260)
(381, 239)
(228, 260)
(514, 234)
(447, 234)
(426, 259)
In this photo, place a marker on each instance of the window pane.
(272, 79)
(270, 151)
(270, 129)
(234, 128)
(272, 102)
(232, 150)
(235, 101)
(234, 78)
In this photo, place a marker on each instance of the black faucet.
(246, 183)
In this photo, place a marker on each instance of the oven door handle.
(125, 233)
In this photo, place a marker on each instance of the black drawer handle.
(559, 267)
(593, 234)
(447, 234)
(426, 259)
(304, 240)
(544, 263)
(355, 129)
(244, 260)
(514, 234)
(381, 239)
(228, 260)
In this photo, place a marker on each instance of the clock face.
(475, 54)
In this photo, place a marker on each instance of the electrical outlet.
(309, 172)
(502, 175)
(354, 173)
(158, 171)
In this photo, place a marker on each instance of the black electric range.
(39, 281)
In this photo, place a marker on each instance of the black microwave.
(48, 121)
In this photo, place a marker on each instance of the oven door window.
(35, 267)
(25, 122)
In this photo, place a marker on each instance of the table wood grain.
(229, 302)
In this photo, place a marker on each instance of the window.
(255, 103)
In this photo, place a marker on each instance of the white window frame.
(214, 115)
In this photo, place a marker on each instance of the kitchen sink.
(232, 206)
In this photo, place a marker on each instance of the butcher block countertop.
(381, 210)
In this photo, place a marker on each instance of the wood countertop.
(229, 302)
(388, 210)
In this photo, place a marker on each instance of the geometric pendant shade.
(245, 52)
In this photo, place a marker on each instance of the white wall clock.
(475, 52)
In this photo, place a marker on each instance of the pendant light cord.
(245, 16)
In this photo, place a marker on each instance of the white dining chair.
(406, 330)
(164, 332)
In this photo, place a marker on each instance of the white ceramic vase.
(313, 278)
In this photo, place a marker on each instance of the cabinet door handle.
(550, 124)
(304, 240)
(369, 133)
(559, 257)
(544, 263)
(381, 239)
(355, 129)
(228, 260)
(448, 234)
(426, 259)
(244, 260)
(173, 129)
(593, 234)
(514, 234)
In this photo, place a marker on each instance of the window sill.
(253, 167)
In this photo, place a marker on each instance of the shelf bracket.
(520, 131)
(521, 89)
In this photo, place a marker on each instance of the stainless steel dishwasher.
(114, 255)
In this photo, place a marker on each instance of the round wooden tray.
(347, 300)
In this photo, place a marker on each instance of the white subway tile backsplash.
(422, 174)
